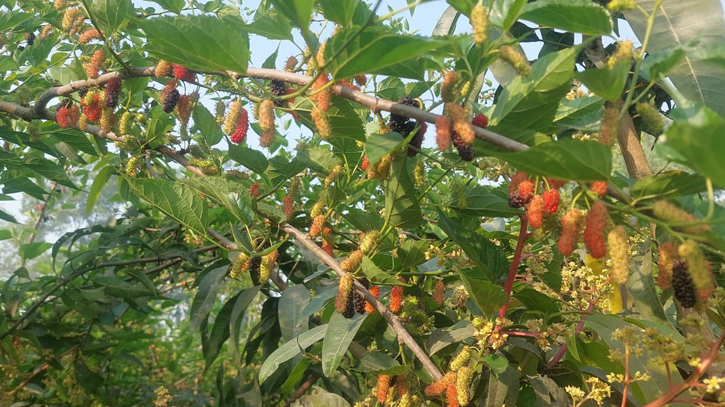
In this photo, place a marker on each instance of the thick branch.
(393, 320)
(631, 147)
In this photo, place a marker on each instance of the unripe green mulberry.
(668, 254)
(219, 112)
(621, 5)
(266, 115)
(124, 125)
(317, 208)
(516, 59)
(461, 359)
(369, 241)
(449, 87)
(619, 254)
(343, 293)
(651, 120)
(266, 266)
(669, 212)
(240, 266)
(419, 175)
(463, 384)
(479, 23)
(610, 126)
(352, 262)
(230, 123)
(134, 165)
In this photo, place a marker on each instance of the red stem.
(508, 285)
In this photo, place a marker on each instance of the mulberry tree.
(519, 207)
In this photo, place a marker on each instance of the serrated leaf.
(401, 204)
(339, 11)
(373, 49)
(176, 200)
(37, 166)
(270, 25)
(205, 121)
(197, 42)
(482, 201)
(699, 145)
(564, 159)
(669, 185)
(504, 13)
(251, 159)
(375, 274)
(298, 11)
(289, 350)
(377, 145)
(112, 13)
(580, 16)
(206, 295)
(607, 82)
(173, 5)
(487, 295)
(531, 102)
(232, 195)
(340, 332)
(344, 120)
(442, 337)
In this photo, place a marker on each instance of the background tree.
(290, 234)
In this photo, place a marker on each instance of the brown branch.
(39, 370)
(631, 146)
(300, 391)
(393, 320)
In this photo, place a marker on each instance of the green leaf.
(339, 11)
(503, 389)
(230, 194)
(504, 13)
(206, 295)
(322, 399)
(30, 251)
(607, 82)
(580, 16)
(198, 42)
(659, 64)
(319, 159)
(298, 11)
(496, 362)
(377, 145)
(99, 182)
(442, 337)
(176, 200)
(373, 49)
(115, 286)
(380, 363)
(7, 218)
(531, 102)
(270, 25)
(412, 252)
(289, 311)
(463, 6)
(281, 168)
(564, 159)
(111, 13)
(86, 377)
(244, 299)
(340, 332)
(35, 166)
(580, 113)
(344, 120)
(669, 185)
(489, 258)
(678, 24)
(206, 123)
(699, 145)
(401, 204)
(446, 25)
(375, 274)
(289, 350)
(173, 5)
(487, 295)
(249, 158)
(482, 201)
(641, 284)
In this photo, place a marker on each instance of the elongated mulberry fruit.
(254, 190)
(551, 201)
(163, 68)
(107, 119)
(516, 59)
(235, 112)
(113, 88)
(596, 224)
(610, 127)
(651, 120)
(666, 258)
(240, 132)
(63, 117)
(343, 292)
(323, 98)
(352, 262)
(94, 65)
(536, 211)
(702, 278)
(266, 115)
(438, 292)
(75, 114)
(443, 132)
(369, 241)
(322, 123)
(375, 291)
(396, 299)
(383, 387)
(461, 359)
(449, 87)
(438, 387)
(89, 35)
(463, 385)
(618, 254)
(170, 100)
(358, 298)
(266, 266)
(569, 232)
(669, 212)
(465, 150)
(479, 23)
(183, 109)
(682, 286)
(327, 247)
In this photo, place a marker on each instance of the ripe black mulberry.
(465, 150)
(682, 285)
(170, 99)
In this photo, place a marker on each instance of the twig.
(39, 370)
(300, 391)
(508, 285)
(393, 320)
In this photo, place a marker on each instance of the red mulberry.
(323, 98)
(63, 117)
(599, 187)
(113, 88)
(438, 292)
(480, 120)
(254, 190)
(536, 212)
(596, 224)
(438, 387)
(375, 291)
(551, 201)
(396, 299)
(465, 150)
(182, 73)
(569, 232)
(365, 163)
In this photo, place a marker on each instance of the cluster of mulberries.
(169, 96)
(113, 88)
(92, 108)
(183, 73)
(479, 23)
(597, 220)
(516, 59)
(682, 285)
(94, 65)
(618, 254)
(89, 35)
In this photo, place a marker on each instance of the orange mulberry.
(443, 132)
(526, 190)
(89, 35)
(183, 109)
(570, 231)
(438, 292)
(375, 291)
(343, 293)
(596, 224)
(516, 179)
(383, 387)
(327, 247)
(599, 187)
(536, 211)
(396, 299)
(94, 65)
(63, 117)
(365, 163)
(323, 98)
(438, 387)
(322, 122)
(452, 395)
(254, 190)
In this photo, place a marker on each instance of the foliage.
(327, 253)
